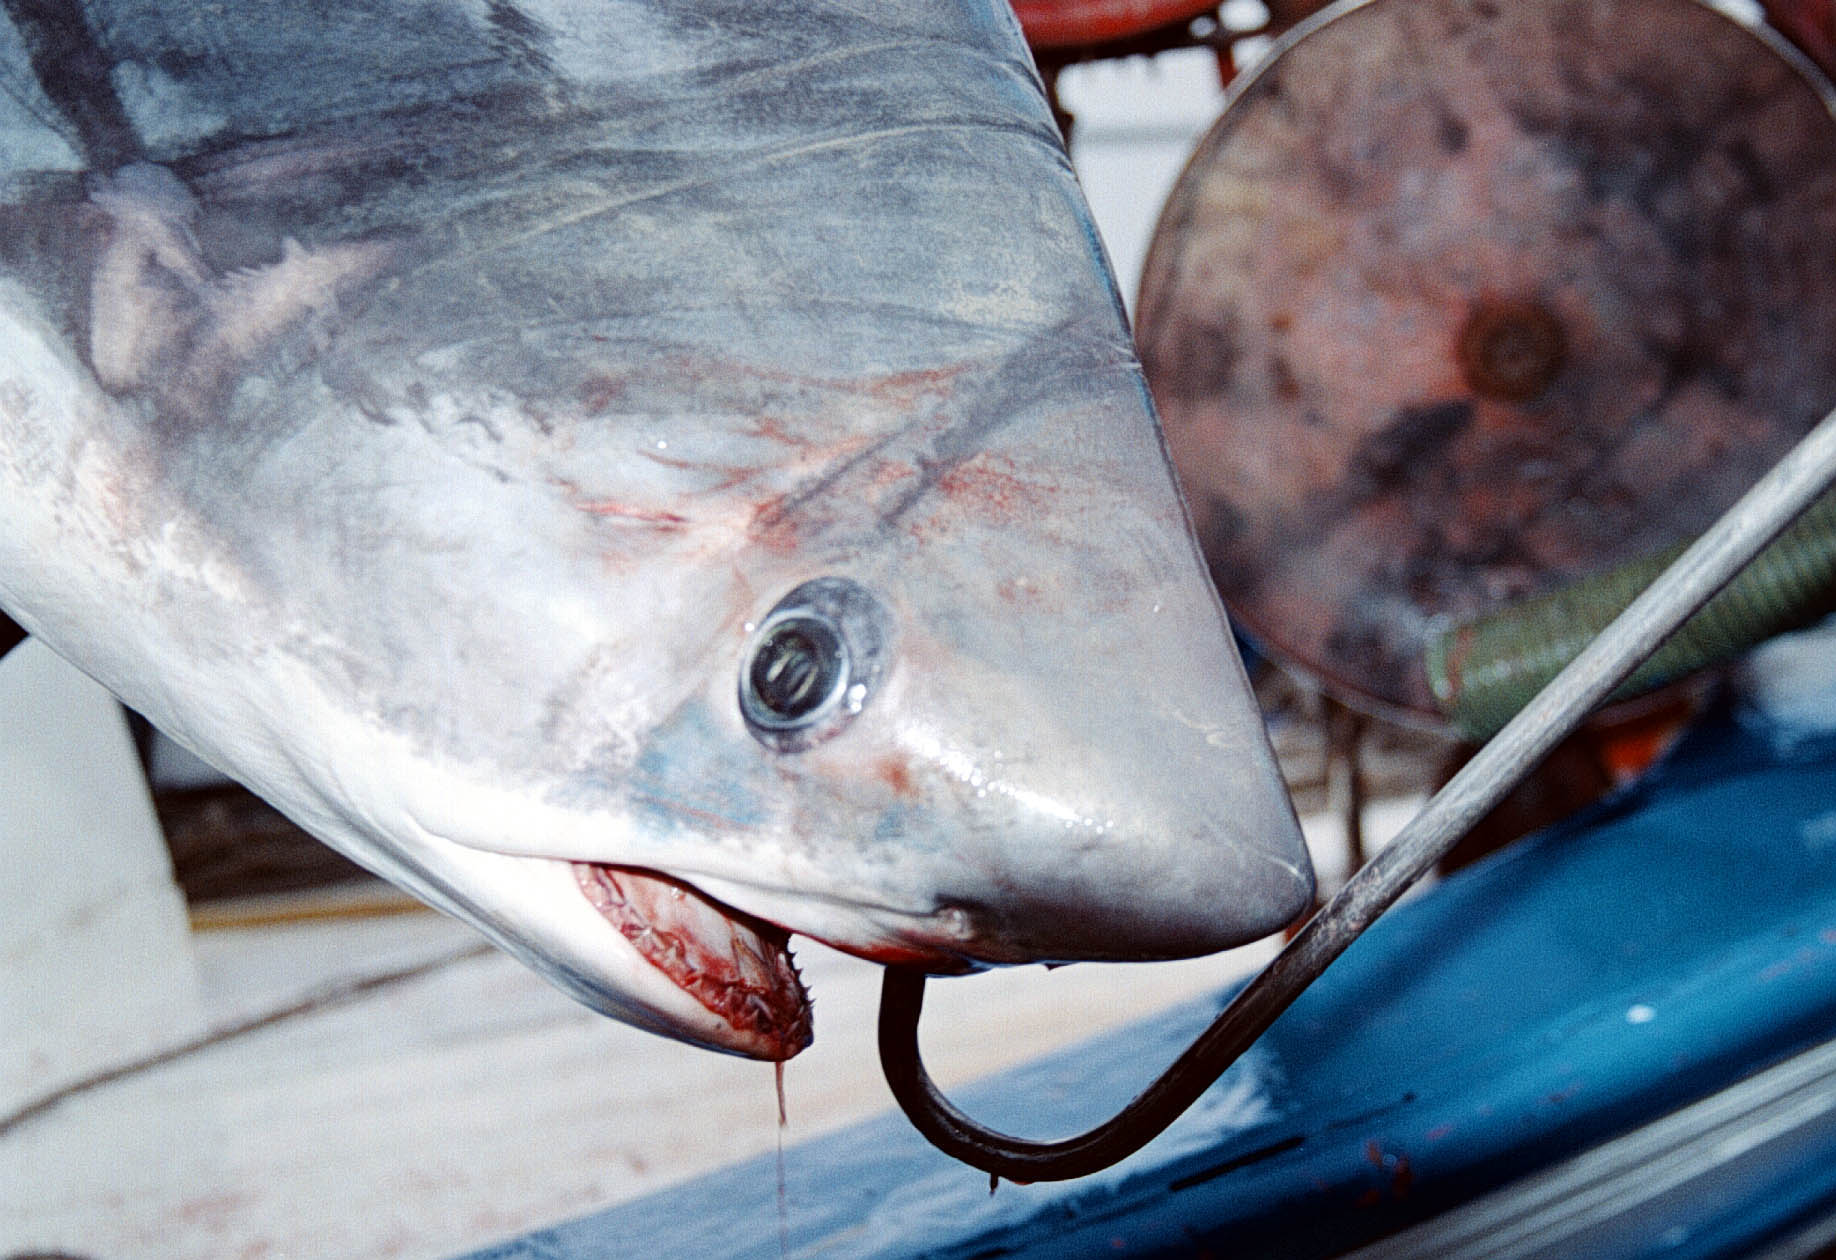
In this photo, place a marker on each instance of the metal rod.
(1685, 586)
(1345, 777)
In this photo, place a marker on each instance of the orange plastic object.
(1059, 24)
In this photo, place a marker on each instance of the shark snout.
(1175, 874)
(1110, 800)
(1136, 914)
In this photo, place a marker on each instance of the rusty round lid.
(1461, 300)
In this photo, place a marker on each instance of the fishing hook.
(1710, 562)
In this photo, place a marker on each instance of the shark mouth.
(738, 967)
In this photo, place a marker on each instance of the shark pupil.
(797, 669)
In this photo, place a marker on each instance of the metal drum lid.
(1463, 300)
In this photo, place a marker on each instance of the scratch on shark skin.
(783, 511)
(601, 206)
(643, 516)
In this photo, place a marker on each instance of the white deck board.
(473, 1103)
(94, 960)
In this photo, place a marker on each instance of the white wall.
(95, 957)
(1137, 120)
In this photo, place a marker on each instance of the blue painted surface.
(1750, 1202)
(1590, 980)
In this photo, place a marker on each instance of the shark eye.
(812, 664)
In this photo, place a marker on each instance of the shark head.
(681, 493)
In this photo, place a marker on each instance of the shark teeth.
(737, 967)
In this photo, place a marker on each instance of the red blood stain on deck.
(1402, 1177)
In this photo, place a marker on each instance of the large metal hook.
(1772, 504)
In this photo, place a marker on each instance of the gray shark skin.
(444, 417)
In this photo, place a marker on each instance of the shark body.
(645, 478)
